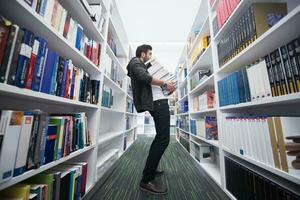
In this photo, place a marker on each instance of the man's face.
(147, 56)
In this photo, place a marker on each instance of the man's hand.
(170, 87)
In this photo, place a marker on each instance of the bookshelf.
(286, 105)
(109, 140)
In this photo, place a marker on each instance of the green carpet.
(184, 178)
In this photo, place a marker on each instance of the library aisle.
(183, 176)
(69, 128)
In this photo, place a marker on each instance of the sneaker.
(153, 188)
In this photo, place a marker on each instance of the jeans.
(161, 116)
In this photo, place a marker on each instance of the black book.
(38, 142)
(292, 87)
(271, 75)
(12, 67)
(60, 75)
(276, 75)
(34, 132)
(281, 72)
(292, 55)
(65, 185)
(38, 6)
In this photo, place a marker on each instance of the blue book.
(43, 142)
(23, 58)
(236, 88)
(43, 7)
(39, 64)
(53, 76)
(50, 143)
(64, 78)
(79, 37)
(48, 71)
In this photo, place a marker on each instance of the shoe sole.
(152, 192)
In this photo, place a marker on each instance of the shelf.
(212, 142)
(121, 51)
(33, 172)
(113, 85)
(130, 97)
(183, 130)
(39, 97)
(129, 113)
(116, 60)
(263, 104)
(182, 114)
(264, 166)
(213, 171)
(131, 129)
(105, 109)
(184, 82)
(203, 112)
(36, 23)
(267, 42)
(183, 98)
(208, 82)
(108, 136)
(199, 35)
(78, 11)
(204, 61)
(106, 156)
(149, 124)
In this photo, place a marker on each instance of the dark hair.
(142, 49)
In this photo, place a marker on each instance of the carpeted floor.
(184, 178)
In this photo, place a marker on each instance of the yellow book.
(20, 191)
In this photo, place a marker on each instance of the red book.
(4, 32)
(31, 64)
(67, 83)
(227, 9)
(83, 178)
(67, 25)
(218, 17)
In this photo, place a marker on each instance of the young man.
(158, 107)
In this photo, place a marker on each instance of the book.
(11, 123)
(18, 191)
(31, 65)
(48, 69)
(23, 58)
(7, 54)
(23, 146)
(43, 178)
(5, 26)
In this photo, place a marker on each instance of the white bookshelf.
(107, 138)
(285, 29)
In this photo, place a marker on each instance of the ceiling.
(164, 24)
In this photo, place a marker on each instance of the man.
(158, 107)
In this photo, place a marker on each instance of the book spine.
(31, 65)
(39, 65)
(60, 75)
(4, 67)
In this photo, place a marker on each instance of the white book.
(266, 80)
(62, 21)
(23, 145)
(71, 68)
(34, 4)
(260, 85)
(251, 84)
(11, 122)
(71, 28)
(49, 11)
(74, 33)
(268, 143)
(161, 73)
(154, 68)
(262, 140)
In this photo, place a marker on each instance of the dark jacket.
(141, 85)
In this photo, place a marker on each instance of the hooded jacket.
(141, 85)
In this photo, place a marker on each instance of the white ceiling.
(164, 24)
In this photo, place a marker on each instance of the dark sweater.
(141, 85)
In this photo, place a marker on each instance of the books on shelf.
(200, 46)
(183, 107)
(66, 181)
(33, 139)
(275, 74)
(65, 25)
(224, 10)
(130, 106)
(107, 97)
(204, 101)
(111, 42)
(97, 15)
(250, 184)
(270, 140)
(183, 123)
(199, 76)
(256, 20)
(205, 127)
(203, 152)
(30, 64)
